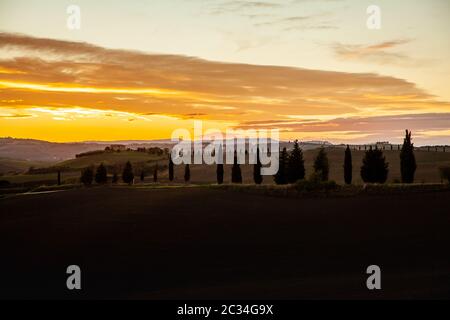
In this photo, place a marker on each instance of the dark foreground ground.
(204, 243)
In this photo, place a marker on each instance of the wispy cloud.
(15, 116)
(303, 22)
(380, 53)
(224, 7)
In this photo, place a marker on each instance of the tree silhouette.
(348, 166)
(115, 178)
(59, 178)
(257, 177)
(408, 164)
(374, 169)
(321, 166)
(87, 176)
(170, 168)
(219, 173)
(281, 176)
(296, 164)
(219, 170)
(155, 174)
(101, 176)
(142, 177)
(445, 173)
(236, 175)
(127, 174)
(187, 173)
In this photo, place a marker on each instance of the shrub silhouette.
(374, 169)
(127, 174)
(87, 176)
(315, 183)
(236, 175)
(408, 164)
(257, 177)
(281, 176)
(321, 166)
(101, 176)
(348, 166)
(296, 164)
(187, 173)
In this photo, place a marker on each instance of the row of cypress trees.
(236, 174)
(374, 168)
(101, 175)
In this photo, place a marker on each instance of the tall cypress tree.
(219, 170)
(281, 176)
(348, 166)
(155, 174)
(170, 168)
(236, 175)
(219, 173)
(321, 166)
(296, 164)
(127, 174)
(115, 178)
(101, 176)
(257, 177)
(187, 173)
(59, 178)
(408, 164)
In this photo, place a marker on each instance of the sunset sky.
(137, 70)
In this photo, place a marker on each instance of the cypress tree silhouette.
(187, 173)
(142, 175)
(170, 168)
(219, 170)
(219, 173)
(408, 164)
(155, 174)
(321, 166)
(236, 175)
(101, 176)
(348, 166)
(281, 176)
(296, 164)
(87, 176)
(115, 178)
(257, 177)
(127, 174)
(59, 178)
(374, 169)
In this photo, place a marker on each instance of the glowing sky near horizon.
(310, 68)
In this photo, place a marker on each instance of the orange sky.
(69, 91)
(141, 69)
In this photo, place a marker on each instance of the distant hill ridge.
(40, 150)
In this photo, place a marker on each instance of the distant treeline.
(112, 149)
